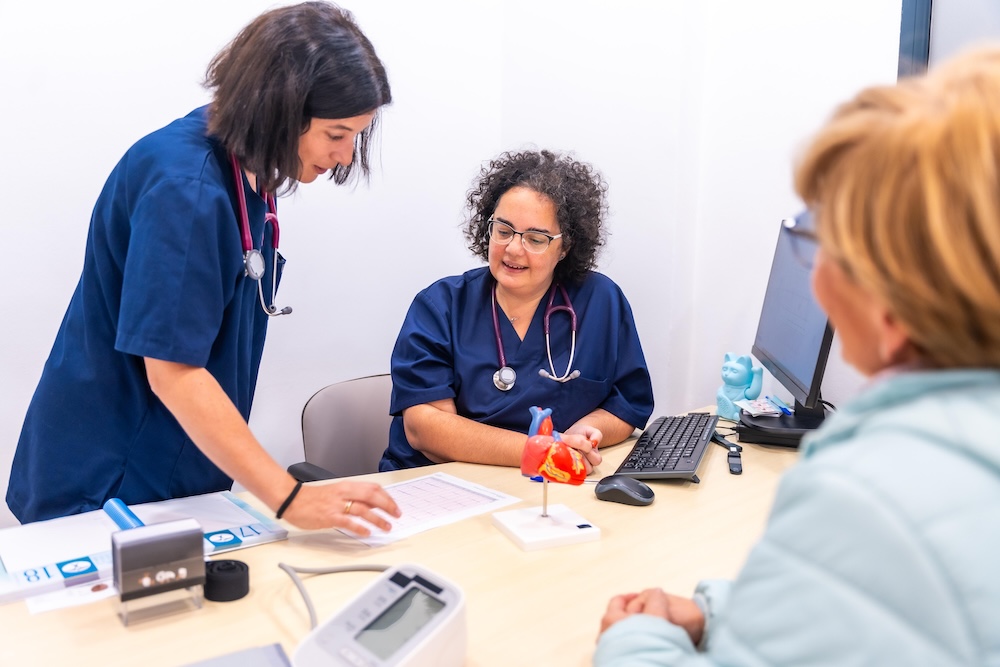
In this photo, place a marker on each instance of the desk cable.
(735, 463)
(293, 573)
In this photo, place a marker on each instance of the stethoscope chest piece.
(253, 260)
(505, 378)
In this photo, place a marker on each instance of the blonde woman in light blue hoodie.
(884, 541)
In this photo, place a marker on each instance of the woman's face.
(516, 270)
(853, 313)
(329, 142)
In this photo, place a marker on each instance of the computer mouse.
(624, 489)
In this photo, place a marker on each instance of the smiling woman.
(148, 388)
(464, 377)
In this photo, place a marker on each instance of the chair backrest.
(345, 426)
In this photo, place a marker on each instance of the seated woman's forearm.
(440, 434)
(612, 428)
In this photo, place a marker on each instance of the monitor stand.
(783, 431)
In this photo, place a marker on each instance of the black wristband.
(288, 500)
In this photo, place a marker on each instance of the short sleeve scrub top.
(163, 277)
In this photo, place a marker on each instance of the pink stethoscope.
(253, 259)
(505, 377)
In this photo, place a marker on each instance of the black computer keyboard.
(670, 447)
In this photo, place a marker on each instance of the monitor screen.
(793, 334)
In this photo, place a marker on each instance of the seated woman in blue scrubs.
(147, 391)
(536, 327)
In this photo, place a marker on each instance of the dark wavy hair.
(578, 191)
(288, 66)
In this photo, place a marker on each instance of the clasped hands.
(674, 609)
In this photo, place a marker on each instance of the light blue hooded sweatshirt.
(883, 546)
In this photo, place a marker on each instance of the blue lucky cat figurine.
(742, 381)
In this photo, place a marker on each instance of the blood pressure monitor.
(409, 616)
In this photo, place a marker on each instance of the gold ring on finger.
(347, 506)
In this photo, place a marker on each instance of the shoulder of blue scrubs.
(605, 315)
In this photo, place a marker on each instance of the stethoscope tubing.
(549, 309)
(270, 217)
(496, 327)
(568, 307)
(250, 253)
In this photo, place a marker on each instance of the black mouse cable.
(735, 462)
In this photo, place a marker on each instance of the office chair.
(345, 429)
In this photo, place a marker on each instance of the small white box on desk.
(531, 530)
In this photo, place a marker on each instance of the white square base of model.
(528, 529)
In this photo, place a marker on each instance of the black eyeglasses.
(802, 234)
(534, 242)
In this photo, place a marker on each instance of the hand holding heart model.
(545, 454)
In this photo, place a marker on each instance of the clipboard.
(46, 556)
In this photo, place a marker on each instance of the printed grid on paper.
(435, 500)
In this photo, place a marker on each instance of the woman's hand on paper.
(339, 505)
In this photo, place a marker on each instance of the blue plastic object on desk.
(122, 515)
(780, 404)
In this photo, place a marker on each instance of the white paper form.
(434, 500)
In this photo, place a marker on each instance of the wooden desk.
(524, 608)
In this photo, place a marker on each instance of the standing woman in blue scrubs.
(472, 355)
(147, 391)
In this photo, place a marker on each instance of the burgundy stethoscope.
(253, 259)
(505, 377)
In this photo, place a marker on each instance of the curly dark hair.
(578, 191)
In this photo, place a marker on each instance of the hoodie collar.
(892, 388)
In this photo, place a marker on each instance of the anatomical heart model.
(547, 456)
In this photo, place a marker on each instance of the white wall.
(692, 111)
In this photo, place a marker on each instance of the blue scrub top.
(163, 277)
(447, 349)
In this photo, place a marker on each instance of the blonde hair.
(904, 182)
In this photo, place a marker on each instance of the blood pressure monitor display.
(408, 617)
(403, 619)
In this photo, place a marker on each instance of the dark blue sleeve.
(179, 272)
(423, 359)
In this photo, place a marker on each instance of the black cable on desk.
(735, 462)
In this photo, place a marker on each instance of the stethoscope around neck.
(253, 259)
(505, 377)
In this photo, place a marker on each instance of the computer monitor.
(793, 340)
